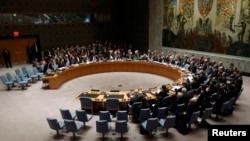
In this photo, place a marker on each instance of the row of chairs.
(72, 124)
(23, 77)
(112, 104)
(72, 121)
(150, 124)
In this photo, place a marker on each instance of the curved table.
(57, 79)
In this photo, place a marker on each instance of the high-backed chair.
(121, 126)
(224, 107)
(67, 114)
(7, 82)
(231, 103)
(180, 108)
(24, 70)
(56, 125)
(37, 72)
(193, 118)
(102, 126)
(87, 103)
(83, 116)
(73, 126)
(150, 125)
(18, 72)
(239, 94)
(10, 78)
(122, 115)
(166, 101)
(25, 78)
(167, 122)
(112, 104)
(205, 115)
(132, 107)
(31, 75)
(22, 83)
(105, 115)
(144, 114)
(161, 112)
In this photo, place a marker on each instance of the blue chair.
(102, 126)
(37, 72)
(105, 115)
(193, 118)
(72, 126)
(7, 82)
(162, 112)
(83, 116)
(54, 124)
(168, 122)
(166, 101)
(32, 75)
(24, 78)
(133, 107)
(9, 77)
(180, 108)
(87, 103)
(205, 114)
(24, 70)
(18, 72)
(121, 126)
(239, 94)
(122, 115)
(112, 104)
(144, 114)
(22, 83)
(150, 125)
(224, 107)
(66, 114)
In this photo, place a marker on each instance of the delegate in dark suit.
(7, 58)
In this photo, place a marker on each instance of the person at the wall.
(7, 58)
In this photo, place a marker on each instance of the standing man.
(7, 58)
(29, 53)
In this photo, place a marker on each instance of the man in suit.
(7, 58)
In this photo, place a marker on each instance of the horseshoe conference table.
(62, 75)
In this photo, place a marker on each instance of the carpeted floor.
(24, 112)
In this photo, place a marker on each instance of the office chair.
(9, 77)
(180, 108)
(66, 114)
(36, 71)
(73, 126)
(24, 70)
(193, 118)
(166, 101)
(83, 116)
(87, 103)
(112, 104)
(105, 115)
(122, 115)
(22, 83)
(55, 124)
(150, 125)
(31, 75)
(205, 115)
(102, 126)
(134, 106)
(168, 122)
(121, 126)
(161, 112)
(7, 82)
(144, 114)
